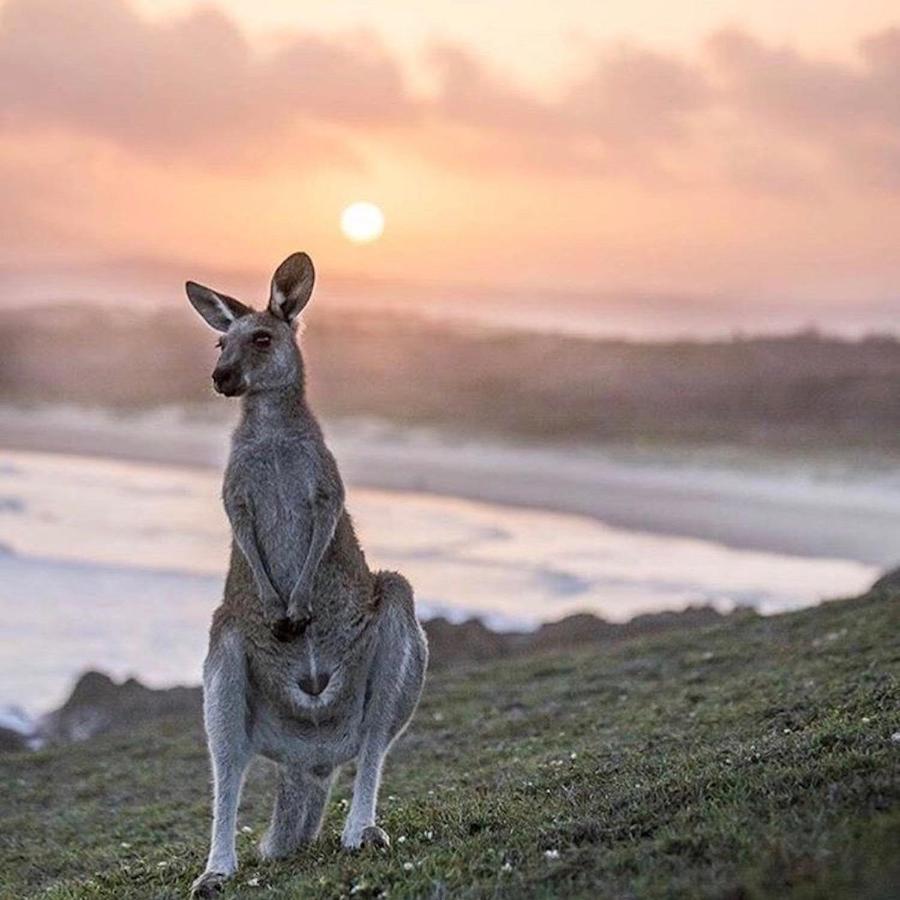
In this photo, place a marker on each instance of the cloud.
(849, 113)
(182, 86)
(738, 112)
(753, 115)
(633, 97)
(629, 104)
(470, 94)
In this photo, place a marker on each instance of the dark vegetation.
(785, 392)
(755, 758)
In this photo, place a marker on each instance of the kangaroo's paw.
(373, 836)
(209, 884)
(370, 836)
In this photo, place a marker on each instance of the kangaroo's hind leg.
(300, 801)
(394, 687)
(225, 717)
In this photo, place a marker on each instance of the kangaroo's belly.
(327, 739)
(312, 689)
(309, 707)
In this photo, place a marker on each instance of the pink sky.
(741, 150)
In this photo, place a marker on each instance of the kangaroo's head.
(259, 350)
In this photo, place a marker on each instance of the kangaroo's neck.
(275, 409)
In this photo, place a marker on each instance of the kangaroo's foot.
(209, 884)
(376, 837)
(369, 836)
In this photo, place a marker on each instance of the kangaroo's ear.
(292, 285)
(219, 310)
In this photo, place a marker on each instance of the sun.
(362, 222)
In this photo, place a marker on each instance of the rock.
(16, 730)
(11, 741)
(470, 641)
(691, 617)
(889, 583)
(573, 630)
(98, 705)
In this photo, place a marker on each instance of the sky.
(746, 151)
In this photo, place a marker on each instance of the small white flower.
(253, 882)
(573, 756)
(391, 797)
(401, 839)
(506, 867)
(161, 865)
(125, 845)
(428, 835)
(551, 854)
(246, 829)
(866, 720)
(407, 867)
(895, 737)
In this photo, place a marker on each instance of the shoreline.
(676, 492)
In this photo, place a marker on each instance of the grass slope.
(754, 759)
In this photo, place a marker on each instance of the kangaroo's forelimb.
(327, 505)
(241, 518)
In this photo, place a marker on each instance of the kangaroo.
(314, 660)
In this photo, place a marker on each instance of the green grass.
(749, 760)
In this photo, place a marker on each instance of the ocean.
(117, 565)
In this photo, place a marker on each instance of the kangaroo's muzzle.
(227, 381)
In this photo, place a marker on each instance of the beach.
(845, 506)
(114, 545)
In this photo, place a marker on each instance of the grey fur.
(313, 659)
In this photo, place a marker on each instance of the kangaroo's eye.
(262, 340)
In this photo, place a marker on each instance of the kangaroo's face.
(258, 349)
(258, 353)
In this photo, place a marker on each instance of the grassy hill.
(760, 758)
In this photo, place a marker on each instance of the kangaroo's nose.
(225, 380)
(314, 684)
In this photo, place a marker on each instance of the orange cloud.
(849, 113)
(194, 87)
(189, 86)
(164, 137)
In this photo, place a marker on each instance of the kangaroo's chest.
(275, 482)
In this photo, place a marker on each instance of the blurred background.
(606, 315)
